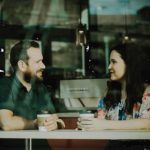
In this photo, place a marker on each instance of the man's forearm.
(18, 123)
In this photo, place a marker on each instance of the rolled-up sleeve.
(6, 96)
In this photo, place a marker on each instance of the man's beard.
(29, 78)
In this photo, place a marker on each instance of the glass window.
(112, 21)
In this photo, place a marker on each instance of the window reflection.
(118, 20)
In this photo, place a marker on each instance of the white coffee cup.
(41, 119)
(86, 116)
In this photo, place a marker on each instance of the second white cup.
(86, 116)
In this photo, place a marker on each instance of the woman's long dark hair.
(113, 95)
(136, 62)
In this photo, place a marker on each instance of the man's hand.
(53, 123)
(50, 123)
(60, 124)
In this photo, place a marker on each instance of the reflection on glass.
(66, 55)
(119, 21)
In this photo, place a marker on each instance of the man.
(23, 96)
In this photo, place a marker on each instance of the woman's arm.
(98, 124)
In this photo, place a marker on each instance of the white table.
(73, 134)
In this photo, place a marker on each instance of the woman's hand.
(91, 124)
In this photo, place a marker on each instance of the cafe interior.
(75, 37)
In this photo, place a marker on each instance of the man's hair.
(19, 52)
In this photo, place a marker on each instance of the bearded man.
(23, 95)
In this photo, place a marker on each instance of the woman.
(127, 101)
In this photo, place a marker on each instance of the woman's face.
(117, 66)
